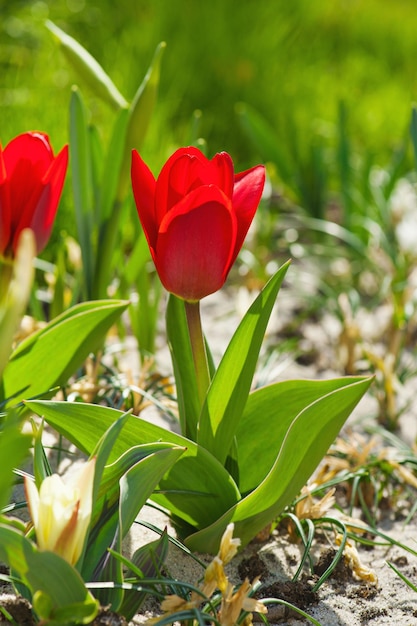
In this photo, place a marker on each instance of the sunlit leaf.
(307, 440)
(197, 488)
(50, 356)
(232, 381)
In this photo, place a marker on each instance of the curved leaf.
(197, 488)
(268, 415)
(306, 442)
(69, 339)
(56, 586)
(228, 392)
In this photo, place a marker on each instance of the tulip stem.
(192, 310)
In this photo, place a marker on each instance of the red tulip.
(195, 217)
(31, 181)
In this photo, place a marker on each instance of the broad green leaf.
(132, 491)
(267, 417)
(138, 483)
(148, 463)
(183, 365)
(308, 438)
(53, 577)
(82, 185)
(88, 68)
(14, 447)
(58, 585)
(101, 453)
(50, 356)
(228, 392)
(197, 488)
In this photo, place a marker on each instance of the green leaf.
(41, 466)
(14, 447)
(88, 68)
(197, 488)
(82, 185)
(306, 442)
(140, 114)
(50, 356)
(268, 416)
(112, 166)
(133, 489)
(57, 587)
(117, 506)
(110, 207)
(138, 483)
(228, 392)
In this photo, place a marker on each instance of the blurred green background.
(292, 61)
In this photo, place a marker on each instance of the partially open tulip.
(31, 181)
(61, 511)
(195, 217)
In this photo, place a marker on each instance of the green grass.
(291, 61)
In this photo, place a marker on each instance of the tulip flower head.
(61, 511)
(31, 181)
(195, 217)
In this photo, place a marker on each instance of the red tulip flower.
(31, 181)
(195, 217)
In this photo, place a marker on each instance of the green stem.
(192, 311)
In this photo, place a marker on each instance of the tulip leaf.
(53, 583)
(228, 392)
(109, 207)
(197, 488)
(82, 184)
(138, 483)
(306, 441)
(129, 491)
(70, 338)
(151, 461)
(88, 68)
(112, 167)
(140, 114)
(14, 447)
(282, 401)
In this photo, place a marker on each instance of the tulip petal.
(143, 185)
(247, 194)
(5, 217)
(34, 183)
(43, 216)
(27, 157)
(195, 244)
(186, 170)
